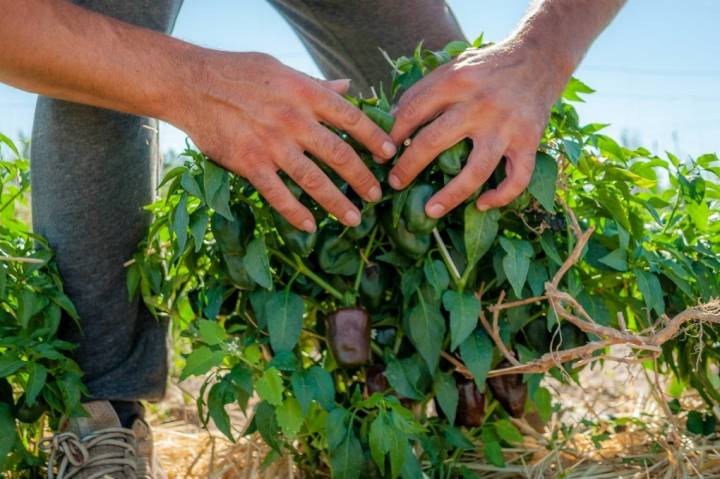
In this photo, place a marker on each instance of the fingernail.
(394, 181)
(345, 82)
(388, 148)
(375, 193)
(352, 218)
(377, 160)
(309, 226)
(436, 210)
(482, 207)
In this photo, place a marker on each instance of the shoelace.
(71, 455)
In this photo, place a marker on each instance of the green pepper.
(368, 220)
(451, 160)
(338, 256)
(410, 244)
(509, 390)
(381, 118)
(233, 236)
(373, 284)
(414, 209)
(299, 242)
(471, 404)
(349, 336)
(29, 414)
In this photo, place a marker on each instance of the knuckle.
(477, 168)
(312, 179)
(351, 116)
(288, 115)
(434, 135)
(340, 153)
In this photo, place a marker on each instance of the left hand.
(500, 97)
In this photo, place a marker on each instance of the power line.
(650, 71)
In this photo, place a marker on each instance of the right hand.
(255, 116)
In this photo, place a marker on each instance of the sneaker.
(98, 447)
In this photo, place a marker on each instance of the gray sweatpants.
(94, 169)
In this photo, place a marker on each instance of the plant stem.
(302, 268)
(672, 213)
(447, 259)
(366, 253)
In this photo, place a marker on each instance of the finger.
(338, 86)
(272, 188)
(519, 171)
(314, 182)
(481, 163)
(342, 114)
(432, 140)
(340, 156)
(418, 105)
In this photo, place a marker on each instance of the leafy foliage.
(38, 381)
(255, 294)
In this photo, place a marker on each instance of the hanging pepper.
(451, 160)
(29, 414)
(373, 284)
(367, 223)
(510, 391)
(338, 256)
(299, 242)
(411, 244)
(414, 209)
(349, 336)
(471, 404)
(233, 236)
(375, 380)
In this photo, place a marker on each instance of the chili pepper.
(414, 209)
(373, 284)
(29, 414)
(451, 160)
(299, 242)
(471, 404)
(375, 380)
(538, 337)
(233, 236)
(411, 244)
(349, 336)
(367, 223)
(338, 256)
(381, 118)
(509, 390)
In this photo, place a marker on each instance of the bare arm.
(247, 111)
(500, 97)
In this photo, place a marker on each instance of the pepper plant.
(39, 382)
(368, 347)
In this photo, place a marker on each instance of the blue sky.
(656, 69)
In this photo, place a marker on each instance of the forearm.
(57, 49)
(563, 30)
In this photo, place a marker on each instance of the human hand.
(255, 116)
(500, 97)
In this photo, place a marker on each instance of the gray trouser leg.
(344, 36)
(92, 172)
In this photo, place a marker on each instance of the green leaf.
(464, 309)
(8, 433)
(211, 332)
(323, 387)
(447, 394)
(481, 227)
(302, 389)
(573, 88)
(427, 331)
(543, 402)
(650, 288)
(537, 277)
(284, 314)
(36, 381)
(398, 379)
(379, 439)
(181, 220)
(507, 431)
(616, 259)
(221, 394)
(289, 417)
(217, 189)
(267, 424)
(198, 226)
(346, 454)
(547, 243)
(270, 386)
(542, 182)
(8, 366)
(493, 453)
(516, 262)
(257, 264)
(436, 274)
(477, 353)
(200, 361)
(7, 141)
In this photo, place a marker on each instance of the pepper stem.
(366, 253)
(447, 259)
(302, 268)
